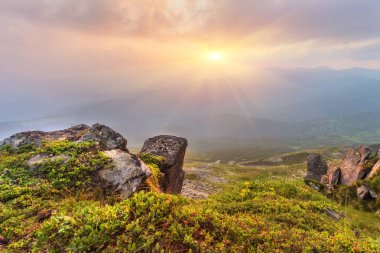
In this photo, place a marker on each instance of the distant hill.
(309, 105)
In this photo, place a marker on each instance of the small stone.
(3, 240)
(333, 214)
(366, 193)
(314, 186)
(43, 215)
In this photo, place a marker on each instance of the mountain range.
(308, 104)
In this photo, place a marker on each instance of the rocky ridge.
(357, 170)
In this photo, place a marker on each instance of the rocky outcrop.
(107, 138)
(36, 138)
(173, 149)
(125, 174)
(316, 167)
(353, 165)
(355, 171)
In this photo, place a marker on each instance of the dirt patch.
(200, 182)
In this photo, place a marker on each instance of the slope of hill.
(58, 212)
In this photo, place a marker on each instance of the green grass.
(262, 210)
(366, 222)
(359, 213)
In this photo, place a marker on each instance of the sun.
(215, 56)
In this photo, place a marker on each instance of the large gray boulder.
(173, 149)
(353, 165)
(125, 174)
(106, 137)
(316, 167)
(36, 138)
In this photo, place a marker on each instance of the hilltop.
(55, 197)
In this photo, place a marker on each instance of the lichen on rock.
(125, 173)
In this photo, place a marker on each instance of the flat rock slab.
(106, 137)
(36, 138)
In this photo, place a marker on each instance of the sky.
(57, 51)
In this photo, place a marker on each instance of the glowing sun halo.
(215, 56)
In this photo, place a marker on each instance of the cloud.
(297, 19)
(367, 53)
(119, 39)
(270, 21)
(288, 20)
(131, 17)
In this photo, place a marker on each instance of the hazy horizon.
(155, 66)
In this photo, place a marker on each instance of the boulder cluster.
(357, 164)
(126, 172)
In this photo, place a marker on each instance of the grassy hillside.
(57, 209)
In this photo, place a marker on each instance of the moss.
(254, 217)
(37, 215)
(76, 172)
(154, 162)
(148, 158)
(155, 178)
(191, 176)
(26, 148)
(6, 149)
